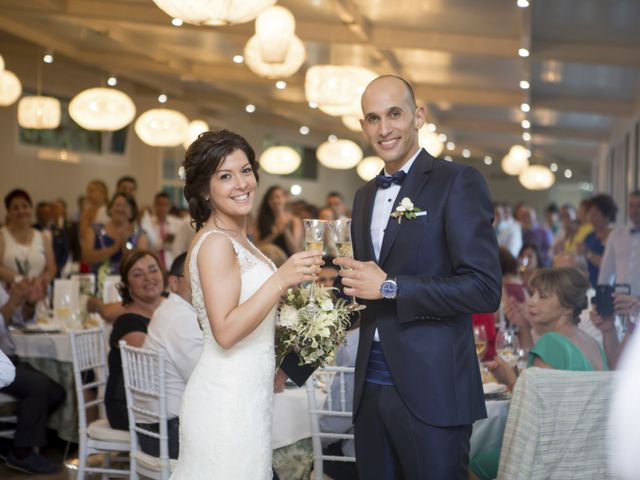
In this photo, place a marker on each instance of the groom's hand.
(361, 279)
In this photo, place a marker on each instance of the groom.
(417, 384)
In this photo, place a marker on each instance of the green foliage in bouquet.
(313, 331)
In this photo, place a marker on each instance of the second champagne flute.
(342, 236)
(314, 236)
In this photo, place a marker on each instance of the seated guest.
(173, 330)
(345, 357)
(141, 292)
(103, 245)
(24, 251)
(328, 272)
(37, 394)
(7, 370)
(558, 298)
(277, 225)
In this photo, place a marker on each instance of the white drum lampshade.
(295, 56)
(281, 160)
(337, 89)
(537, 177)
(516, 161)
(430, 141)
(340, 154)
(352, 122)
(214, 12)
(39, 112)
(1, 63)
(369, 167)
(196, 127)
(10, 88)
(275, 27)
(162, 127)
(105, 109)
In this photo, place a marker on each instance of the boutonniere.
(406, 209)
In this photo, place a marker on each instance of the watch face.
(388, 289)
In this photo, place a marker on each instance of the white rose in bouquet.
(289, 317)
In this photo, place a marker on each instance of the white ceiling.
(461, 56)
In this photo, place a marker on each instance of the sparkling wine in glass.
(480, 339)
(341, 229)
(313, 236)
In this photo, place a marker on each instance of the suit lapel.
(364, 225)
(411, 187)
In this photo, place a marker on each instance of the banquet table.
(293, 451)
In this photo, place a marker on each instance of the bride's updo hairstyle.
(202, 160)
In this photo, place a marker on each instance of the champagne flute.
(480, 339)
(342, 236)
(507, 346)
(314, 236)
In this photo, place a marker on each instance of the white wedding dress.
(225, 418)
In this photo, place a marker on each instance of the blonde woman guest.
(95, 205)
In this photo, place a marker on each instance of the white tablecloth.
(56, 346)
(291, 417)
(487, 433)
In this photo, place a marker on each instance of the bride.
(225, 421)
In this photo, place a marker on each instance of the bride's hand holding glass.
(299, 267)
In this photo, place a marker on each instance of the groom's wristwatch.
(389, 288)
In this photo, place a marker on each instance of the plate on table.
(41, 329)
(492, 389)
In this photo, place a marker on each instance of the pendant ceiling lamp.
(352, 122)
(516, 161)
(430, 141)
(106, 109)
(369, 167)
(281, 160)
(214, 12)
(1, 63)
(10, 88)
(537, 177)
(39, 112)
(293, 60)
(162, 127)
(337, 89)
(196, 127)
(340, 154)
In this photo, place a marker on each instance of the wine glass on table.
(507, 346)
(314, 236)
(342, 236)
(480, 339)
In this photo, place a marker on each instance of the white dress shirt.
(7, 371)
(509, 234)
(174, 330)
(382, 209)
(621, 260)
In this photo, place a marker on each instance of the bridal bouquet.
(313, 330)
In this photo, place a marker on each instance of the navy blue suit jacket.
(447, 267)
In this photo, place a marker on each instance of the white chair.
(8, 431)
(339, 403)
(144, 383)
(88, 349)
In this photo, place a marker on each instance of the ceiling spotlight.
(524, 85)
(431, 127)
(442, 137)
(523, 3)
(238, 59)
(313, 105)
(304, 130)
(281, 84)
(250, 108)
(451, 146)
(553, 167)
(525, 124)
(176, 22)
(112, 81)
(295, 189)
(332, 138)
(448, 158)
(568, 173)
(466, 153)
(526, 136)
(488, 160)
(525, 107)
(523, 52)
(162, 98)
(48, 57)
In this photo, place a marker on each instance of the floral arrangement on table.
(313, 330)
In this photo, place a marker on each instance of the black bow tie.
(382, 181)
